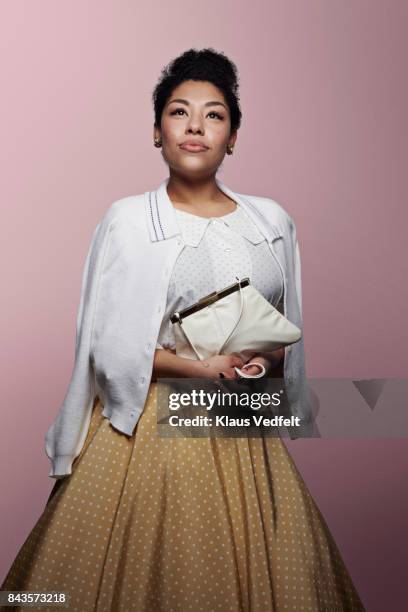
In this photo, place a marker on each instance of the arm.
(66, 434)
(273, 361)
(167, 364)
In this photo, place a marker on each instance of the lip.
(193, 147)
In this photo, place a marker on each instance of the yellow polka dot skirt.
(155, 524)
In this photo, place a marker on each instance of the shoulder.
(127, 211)
(274, 212)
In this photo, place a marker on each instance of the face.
(196, 111)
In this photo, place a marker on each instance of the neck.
(194, 191)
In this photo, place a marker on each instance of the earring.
(230, 149)
(157, 142)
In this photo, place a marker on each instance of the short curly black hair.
(203, 65)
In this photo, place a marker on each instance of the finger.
(237, 361)
(252, 370)
(230, 373)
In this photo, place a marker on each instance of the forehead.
(197, 91)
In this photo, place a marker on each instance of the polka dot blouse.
(216, 250)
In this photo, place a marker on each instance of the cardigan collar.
(162, 216)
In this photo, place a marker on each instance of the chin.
(192, 167)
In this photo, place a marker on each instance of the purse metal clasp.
(177, 317)
(209, 299)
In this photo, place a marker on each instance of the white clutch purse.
(237, 319)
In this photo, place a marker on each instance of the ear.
(233, 138)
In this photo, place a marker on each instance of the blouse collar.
(193, 227)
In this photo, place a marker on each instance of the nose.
(194, 125)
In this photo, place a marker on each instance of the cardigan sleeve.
(297, 268)
(305, 402)
(298, 276)
(67, 433)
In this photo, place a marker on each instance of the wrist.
(195, 368)
(269, 359)
(276, 357)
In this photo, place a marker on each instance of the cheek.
(171, 131)
(218, 137)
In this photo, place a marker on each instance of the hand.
(268, 359)
(217, 364)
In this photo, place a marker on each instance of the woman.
(141, 522)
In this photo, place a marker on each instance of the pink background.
(324, 133)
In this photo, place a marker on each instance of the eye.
(176, 111)
(182, 110)
(216, 114)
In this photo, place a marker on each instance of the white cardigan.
(123, 297)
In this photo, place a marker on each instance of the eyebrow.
(212, 103)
